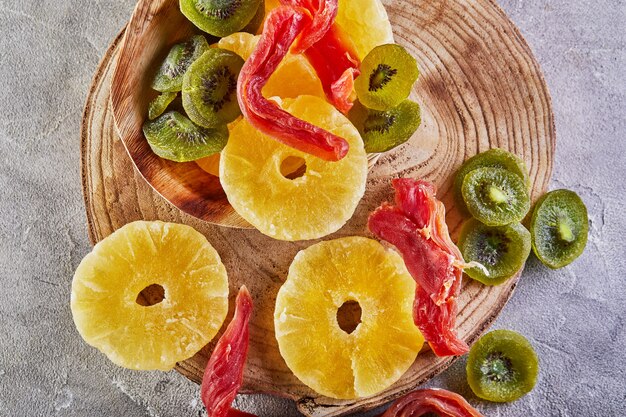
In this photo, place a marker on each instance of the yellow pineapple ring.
(110, 278)
(314, 205)
(323, 356)
(367, 24)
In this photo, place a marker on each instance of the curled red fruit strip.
(323, 13)
(281, 28)
(224, 372)
(337, 65)
(416, 227)
(329, 51)
(438, 401)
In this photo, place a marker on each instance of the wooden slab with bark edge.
(480, 88)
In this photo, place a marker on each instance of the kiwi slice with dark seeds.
(384, 130)
(220, 17)
(174, 137)
(169, 78)
(388, 73)
(559, 227)
(495, 196)
(501, 250)
(493, 158)
(210, 88)
(502, 366)
(257, 20)
(158, 106)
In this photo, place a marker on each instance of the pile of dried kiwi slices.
(206, 79)
(383, 114)
(494, 188)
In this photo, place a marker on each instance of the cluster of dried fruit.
(310, 51)
(294, 85)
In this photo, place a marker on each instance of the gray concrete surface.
(574, 317)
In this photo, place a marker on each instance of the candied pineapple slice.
(320, 353)
(106, 286)
(307, 207)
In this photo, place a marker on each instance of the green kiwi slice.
(388, 73)
(559, 227)
(169, 78)
(495, 196)
(502, 250)
(384, 130)
(493, 158)
(158, 106)
(210, 88)
(502, 366)
(220, 17)
(174, 137)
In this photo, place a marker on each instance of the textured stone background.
(574, 317)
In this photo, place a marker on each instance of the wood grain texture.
(480, 88)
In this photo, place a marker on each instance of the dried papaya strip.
(329, 50)
(281, 28)
(337, 65)
(323, 14)
(224, 372)
(438, 401)
(416, 227)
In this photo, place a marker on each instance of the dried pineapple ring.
(323, 356)
(312, 206)
(108, 281)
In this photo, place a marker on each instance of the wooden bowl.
(480, 88)
(154, 27)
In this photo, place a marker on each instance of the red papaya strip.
(416, 227)
(337, 65)
(329, 50)
(224, 372)
(281, 28)
(438, 401)
(323, 14)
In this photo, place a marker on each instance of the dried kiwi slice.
(210, 88)
(502, 366)
(384, 130)
(388, 73)
(493, 158)
(495, 196)
(502, 250)
(169, 78)
(174, 137)
(158, 106)
(559, 228)
(220, 17)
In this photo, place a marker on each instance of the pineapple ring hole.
(151, 295)
(293, 167)
(349, 316)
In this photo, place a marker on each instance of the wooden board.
(480, 88)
